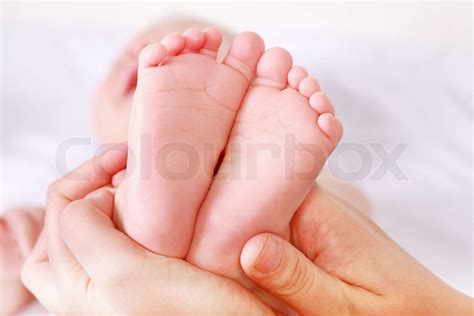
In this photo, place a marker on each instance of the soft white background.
(397, 73)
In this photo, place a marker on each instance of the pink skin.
(183, 96)
(295, 97)
(112, 111)
(179, 100)
(19, 229)
(255, 191)
(113, 100)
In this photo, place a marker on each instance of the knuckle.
(297, 280)
(74, 206)
(70, 210)
(67, 218)
(52, 190)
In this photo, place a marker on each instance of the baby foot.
(183, 111)
(282, 137)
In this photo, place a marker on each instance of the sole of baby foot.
(183, 110)
(282, 137)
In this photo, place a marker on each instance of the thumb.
(278, 267)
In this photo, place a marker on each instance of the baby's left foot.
(183, 111)
(282, 136)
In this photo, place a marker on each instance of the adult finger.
(324, 224)
(89, 233)
(275, 265)
(88, 177)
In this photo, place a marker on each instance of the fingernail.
(269, 257)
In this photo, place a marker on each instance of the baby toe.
(174, 43)
(194, 40)
(296, 74)
(321, 103)
(151, 55)
(331, 127)
(212, 41)
(308, 86)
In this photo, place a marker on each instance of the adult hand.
(91, 267)
(347, 265)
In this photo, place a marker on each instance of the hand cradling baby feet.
(220, 151)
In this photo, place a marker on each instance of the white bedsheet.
(384, 93)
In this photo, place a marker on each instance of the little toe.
(174, 43)
(330, 126)
(321, 103)
(244, 53)
(151, 55)
(308, 86)
(194, 40)
(273, 68)
(296, 74)
(212, 41)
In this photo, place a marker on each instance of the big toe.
(273, 68)
(244, 53)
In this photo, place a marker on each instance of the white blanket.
(384, 93)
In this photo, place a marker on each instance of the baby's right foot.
(283, 135)
(183, 110)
